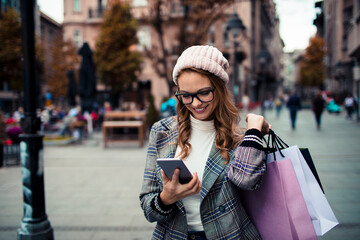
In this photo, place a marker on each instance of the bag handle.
(276, 143)
(279, 141)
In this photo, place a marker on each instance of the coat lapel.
(213, 168)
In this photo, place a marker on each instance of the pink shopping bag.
(277, 208)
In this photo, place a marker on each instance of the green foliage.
(191, 28)
(11, 49)
(312, 68)
(116, 62)
(64, 58)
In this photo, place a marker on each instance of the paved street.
(92, 193)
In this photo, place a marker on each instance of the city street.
(93, 193)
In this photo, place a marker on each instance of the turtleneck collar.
(204, 126)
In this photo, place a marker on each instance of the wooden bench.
(122, 120)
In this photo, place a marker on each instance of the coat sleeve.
(154, 210)
(248, 164)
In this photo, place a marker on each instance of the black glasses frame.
(178, 96)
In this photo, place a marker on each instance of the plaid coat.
(222, 213)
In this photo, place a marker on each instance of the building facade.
(49, 31)
(46, 30)
(82, 20)
(338, 22)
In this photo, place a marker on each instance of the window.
(358, 12)
(51, 35)
(77, 38)
(144, 37)
(212, 35)
(77, 7)
(140, 3)
(226, 37)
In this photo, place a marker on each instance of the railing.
(96, 12)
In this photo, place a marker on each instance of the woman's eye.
(186, 96)
(204, 93)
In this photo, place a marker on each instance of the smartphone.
(170, 164)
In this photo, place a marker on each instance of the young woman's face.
(191, 83)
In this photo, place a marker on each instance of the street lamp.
(235, 26)
(263, 59)
(34, 224)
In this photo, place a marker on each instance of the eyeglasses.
(203, 96)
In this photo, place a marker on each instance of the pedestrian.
(3, 137)
(278, 105)
(222, 158)
(294, 105)
(349, 106)
(318, 106)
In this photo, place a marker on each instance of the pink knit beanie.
(207, 58)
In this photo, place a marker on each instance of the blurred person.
(278, 105)
(294, 105)
(205, 134)
(18, 114)
(168, 108)
(349, 106)
(318, 106)
(107, 106)
(246, 102)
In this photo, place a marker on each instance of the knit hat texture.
(207, 58)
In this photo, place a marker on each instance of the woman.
(206, 137)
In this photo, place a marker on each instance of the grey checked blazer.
(222, 213)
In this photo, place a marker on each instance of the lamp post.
(34, 225)
(263, 58)
(235, 26)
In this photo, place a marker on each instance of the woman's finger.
(164, 177)
(175, 176)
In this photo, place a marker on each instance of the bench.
(122, 120)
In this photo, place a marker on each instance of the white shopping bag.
(322, 216)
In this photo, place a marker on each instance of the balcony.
(96, 13)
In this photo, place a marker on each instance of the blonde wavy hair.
(225, 115)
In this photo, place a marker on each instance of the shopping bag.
(277, 208)
(306, 154)
(304, 151)
(322, 216)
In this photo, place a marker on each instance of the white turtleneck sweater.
(201, 140)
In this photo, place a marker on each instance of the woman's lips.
(200, 110)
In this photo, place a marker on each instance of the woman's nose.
(196, 102)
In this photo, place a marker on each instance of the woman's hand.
(258, 122)
(174, 191)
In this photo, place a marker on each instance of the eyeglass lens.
(203, 96)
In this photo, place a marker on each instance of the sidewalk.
(92, 193)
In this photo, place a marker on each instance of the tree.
(312, 68)
(64, 58)
(116, 61)
(192, 28)
(11, 49)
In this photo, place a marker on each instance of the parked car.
(327, 96)
(332, 107)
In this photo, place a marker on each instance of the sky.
(296, 19)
